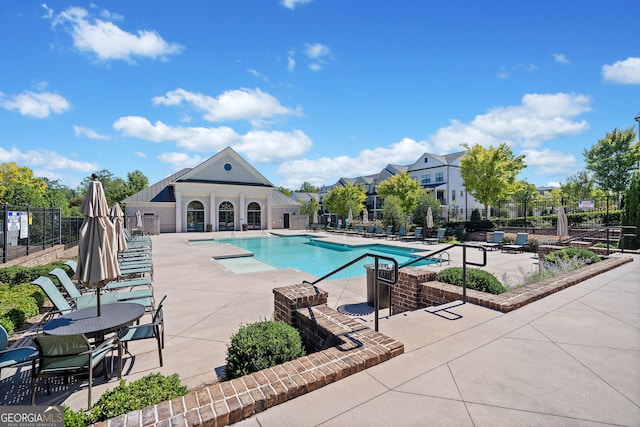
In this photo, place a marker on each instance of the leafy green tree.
(403, 187)
(58, 196)
(631, 212)
(424, 201)
(308, 188)
(392, 212)
(308, 208)
(578, 187)
(342, 198)
(19, 187)
(489, 173)
(613, 159)
(136, 181)
(285, 191)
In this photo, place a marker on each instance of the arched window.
(195, 216)
(226, 216)
(253, 216)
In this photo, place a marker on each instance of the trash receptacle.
(209, 228)
(244, 227)
(385, 271)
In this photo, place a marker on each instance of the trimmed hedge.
(20, 274)
(262, 345)
(18, 303)
(569, 253)
(477, 279)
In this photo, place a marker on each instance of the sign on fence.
(586, 204)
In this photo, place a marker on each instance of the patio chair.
(63, 306)
(74, 292)
(439, 236)
(72, 264)
(387, 232)
(16, 355)
(518, 245)
(417, 234)
(369, 232)
(68, 356)
(400, 234)
(155, 329)
(496, 242)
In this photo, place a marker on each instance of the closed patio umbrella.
(117, 217)
(349, 218)
(563, 223)
(97, 256)
(138, 219)
(315, 217)
(365, 216)
(429, 220)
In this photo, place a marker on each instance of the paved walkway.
(569, 359)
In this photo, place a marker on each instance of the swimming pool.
(316, 256)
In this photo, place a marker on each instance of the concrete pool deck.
(572, 358)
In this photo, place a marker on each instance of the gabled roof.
(226, 167)
(161, 191)
(281, 199)
(304, 197)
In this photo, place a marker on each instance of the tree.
(392, 212)
(631, 212)
(340, 199)
(578, 187)
(18, 186)
(403, 187)
(525, 194)
(136, 181)
(309, 208)
(285, 191)
(613, 159)
(489, 173)
(59, 196)
(308, 188)
(424, 201)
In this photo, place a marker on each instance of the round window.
(228, 167)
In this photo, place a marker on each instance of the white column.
(213, 213)
(269, 213)
(243, 211)
(178, 211)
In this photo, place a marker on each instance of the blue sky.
(311, 90)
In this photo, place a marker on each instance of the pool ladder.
(440, 258)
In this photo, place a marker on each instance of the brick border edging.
(356, 347)
(433, 293)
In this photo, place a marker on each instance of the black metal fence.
(543, 213)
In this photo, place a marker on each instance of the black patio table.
(86, 321)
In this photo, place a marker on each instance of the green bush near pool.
(477, 279)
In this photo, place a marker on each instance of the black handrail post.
(464, 274)
(376, 302)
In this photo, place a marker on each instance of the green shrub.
(261, 345)
(75, 419)
(477, 279)
(570, 253)
(18, 303)
(475, 215)
(20, 274)
(124, 398)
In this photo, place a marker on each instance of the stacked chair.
(73, 355)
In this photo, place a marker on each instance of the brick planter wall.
(405, 296)
(352, 347)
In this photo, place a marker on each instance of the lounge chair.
(370, 231)
(439, 237)
(388, 232)
(65, 356)
(16, 355)
(518, 245)
(417, 234)
(399, 235)
(496, 242)
(144, 295)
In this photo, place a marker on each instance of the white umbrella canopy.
(349, 217)
(97, 256)
(117, 217)
(315, 217)
(138, 219)
(429, 218)
(563, 223)
(365, 216)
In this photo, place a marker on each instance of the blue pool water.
(318, 257)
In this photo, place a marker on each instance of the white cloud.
(291, 62)
(623, 72)
(180, 160)
(258, 146)
(291, 4)
(89, 133)
(561, 58)
(506, 73)
(240, 104)
(539, 118)
(550, 162)
(107, 41)
(35, 104)
(318, 54)
(48, 160)
(140, 154)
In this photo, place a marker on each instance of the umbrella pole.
(98, 294)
